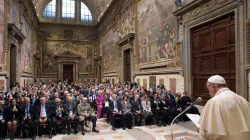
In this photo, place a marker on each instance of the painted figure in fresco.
(49, 62)
(178, 3)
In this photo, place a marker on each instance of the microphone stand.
(172, 137)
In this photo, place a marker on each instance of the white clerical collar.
(221, 90)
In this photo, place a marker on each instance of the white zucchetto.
(216, 79)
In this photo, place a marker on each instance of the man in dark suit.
(172, 105)
(27, 116)
(57, 115)
(155, 108)
(70, 111)
(92, 98)
(161, 86)
(164, 109)
(137, 109)
(43, 115)
(114, 109)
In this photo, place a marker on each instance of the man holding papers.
(226, 115)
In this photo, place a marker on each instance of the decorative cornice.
(127, 39)
(188, 7)
(15, 32)
(68, 54)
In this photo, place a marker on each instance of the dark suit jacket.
(154, 104)
(31, 111)
(136, 106)
(37, 110)
(162, 105)
(10, 114)
(92, 97)
(54, 108)
(66, 109)
(112, 107)
(4, 113)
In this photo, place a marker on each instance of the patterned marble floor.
(182, 131)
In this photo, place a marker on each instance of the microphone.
(199, 99)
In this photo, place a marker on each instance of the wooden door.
(213, 52)
(68, 72)
(127, 66)
(13, 65)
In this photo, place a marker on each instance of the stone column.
(78, 11)
(58, 10)
(76, 71)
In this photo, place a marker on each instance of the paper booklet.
(194, 118)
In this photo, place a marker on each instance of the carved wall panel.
(138, 81)
(152, 81)
(205, 8)
(161, 81)
(145, 83)
(156, 31)
(2, 85)
(248, 40)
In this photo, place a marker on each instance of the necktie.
(27, 110)
(84, 107)
(42, 110)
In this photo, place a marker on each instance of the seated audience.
(99, 100)
(127, 115)
(85, 111)
(146, 110)
(43, 115)
(186, 101)
(164, 110)
(70, 114)
(114, 109)
(57, 115)
(3, 115)
(156, 109)
(27, 117)
(12, 118)
(136, 110)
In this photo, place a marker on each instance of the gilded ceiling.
(97, 7)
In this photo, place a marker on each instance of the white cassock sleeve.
(207, 136)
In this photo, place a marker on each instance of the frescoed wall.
(26, 48)
(127, 22)
(110, 50)
(14, 12)
(53, 48)
(55, 40)
(157, 30)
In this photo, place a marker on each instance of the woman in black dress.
(13, 113)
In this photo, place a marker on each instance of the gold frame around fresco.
(27, 71)
(156, 62)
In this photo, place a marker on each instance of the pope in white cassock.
(226, 116)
